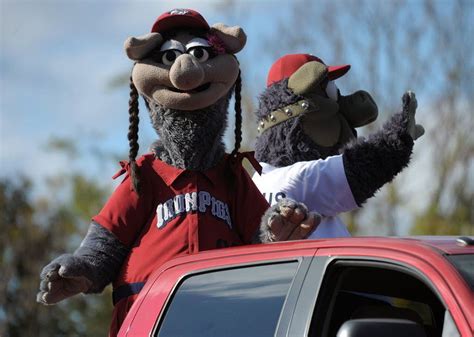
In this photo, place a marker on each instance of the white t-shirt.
(320, 184)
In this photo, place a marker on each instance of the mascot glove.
(64, 277)
(409, 107)
(288, 220)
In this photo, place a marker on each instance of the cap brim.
(179, 21)
(335, 72)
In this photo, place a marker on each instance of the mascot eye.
(201, 53)
(169, 56)
(332, 90)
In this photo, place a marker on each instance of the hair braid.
(238, 114)
(133, 135)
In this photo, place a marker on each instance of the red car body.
(424, 255)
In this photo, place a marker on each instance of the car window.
(358, 291)
(465, 265)
(234, 302)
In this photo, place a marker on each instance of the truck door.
(337, 290)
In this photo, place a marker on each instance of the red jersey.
(179, 212)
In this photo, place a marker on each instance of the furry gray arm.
(371, 163)
(92, 266)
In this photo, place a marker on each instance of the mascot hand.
(409, 107)
(288, 220)
(64, 277)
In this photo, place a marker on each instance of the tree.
(33, 233)
(450, 209)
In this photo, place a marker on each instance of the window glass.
(465, 265)
(234, 302)
(449, 327)
(355, 292)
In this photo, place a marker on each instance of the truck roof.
(417, 245)
(450, 245)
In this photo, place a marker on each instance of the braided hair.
(134, 121)
(238, 115)
(133, 136)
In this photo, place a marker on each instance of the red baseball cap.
(179, 18)
(286, 65)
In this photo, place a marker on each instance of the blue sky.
(57, 60)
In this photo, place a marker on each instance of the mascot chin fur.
(308, 146)
(187, 195)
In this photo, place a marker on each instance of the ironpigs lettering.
(191, 202)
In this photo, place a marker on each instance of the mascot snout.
(186, 73)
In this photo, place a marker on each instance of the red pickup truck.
(369, 286)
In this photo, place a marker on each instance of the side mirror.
(380, 327)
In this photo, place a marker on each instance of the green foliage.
(87, 197)
(34, 232)
(433, 222)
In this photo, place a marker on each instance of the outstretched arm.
(92, 266)
(372, 162)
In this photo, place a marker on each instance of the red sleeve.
(125, 213)
(249, 206)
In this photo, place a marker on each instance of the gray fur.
(190, 140)
(372, 162)
(368, 164)
(276, 96)
(286, 143)
(99, 258)
(104, 253)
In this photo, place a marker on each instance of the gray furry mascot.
(308, 145)
(187, 195)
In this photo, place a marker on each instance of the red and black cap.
(179, 18)
(286, 65)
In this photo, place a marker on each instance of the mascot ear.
(307, 78)
(138, 47)
(234, 38)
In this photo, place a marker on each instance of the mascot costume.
(308, 146)
(187, 195)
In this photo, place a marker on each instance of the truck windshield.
(465, 265)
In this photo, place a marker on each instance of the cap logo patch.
(178, 11)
